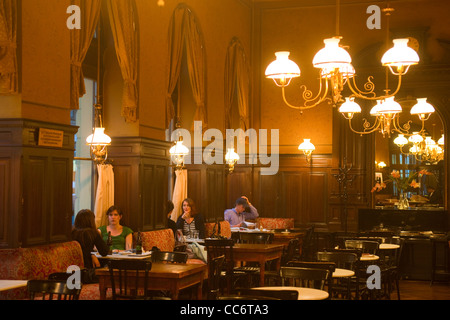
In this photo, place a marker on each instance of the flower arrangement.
(402, 183)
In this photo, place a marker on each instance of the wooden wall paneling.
(269, 196)
(126, 194)
(239, 183)
(61, 198)
(159, 195)
(5, 180)
(216, 194)
(196, 185)
(317, 199)
(294, 192)
(36, 208)
(148, 201)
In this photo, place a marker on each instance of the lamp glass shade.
(441, 141)
(401, 140)
(350, 106)
(375, 111)
(400, 55)
(306, 146)
(422, 107)
(390, 106)
(332, 56)
(282, 67)
(416, 138)
(231, 156)
(179, 149)
(98, 138)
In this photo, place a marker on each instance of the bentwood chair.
(347, 288)
(52, 290)
(215, 266)
(330, 266)
(304, 277)
(370, 247)
(231, 275)
(129, 279)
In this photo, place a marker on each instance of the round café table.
(343, 273)
(303, 293)
(369, 257)
(388, 246)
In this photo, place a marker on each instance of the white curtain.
(179, 193)
(104, 197)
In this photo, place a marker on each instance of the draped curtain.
(8, 47)
(184, 31)
(80, 40)
(179, 193)
(124, 25)
(237, 76)
(104, 197)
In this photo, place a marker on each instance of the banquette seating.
(38, 263)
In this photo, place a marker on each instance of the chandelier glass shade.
(178, 152)
(231, 158)
(400, 57)
(307, 148)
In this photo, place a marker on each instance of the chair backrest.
(215, 266)
(256, 237)
(330, 266)
(344, 260)
(289, 253)
(366, 246)
(308, 245)
(278, 294)
(52, 290)
(218, 247)
(127, 281)
(170, 257)
(304, 277)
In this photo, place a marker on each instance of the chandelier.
(423, 148)
(178, 152)
(231, 158)
(337, 72)
(98, 141)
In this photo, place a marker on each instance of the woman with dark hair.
(170, 223)
(86, 234)
(190, 220)
(122, 237)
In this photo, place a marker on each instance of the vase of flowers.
(402, 185)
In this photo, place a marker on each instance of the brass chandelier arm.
(307, 94)
(367, 128)
(370, 88)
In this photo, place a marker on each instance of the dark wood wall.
(35, 184)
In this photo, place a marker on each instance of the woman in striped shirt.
(191, 220)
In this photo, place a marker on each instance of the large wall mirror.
(420, 148)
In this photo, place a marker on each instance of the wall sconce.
(307, 147)
(382, 165)
(231, 158)
(178, 152)
(98, 142)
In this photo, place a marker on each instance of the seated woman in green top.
(122, 237)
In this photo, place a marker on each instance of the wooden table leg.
(262, 269)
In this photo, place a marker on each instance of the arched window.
(237, 87)
(186, 56)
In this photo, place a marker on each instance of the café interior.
(330, 117)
